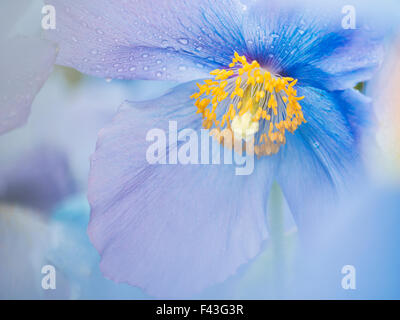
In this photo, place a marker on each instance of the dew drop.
(183, 41)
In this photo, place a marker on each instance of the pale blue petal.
(25, 65)
(163, 39)
(171, 229)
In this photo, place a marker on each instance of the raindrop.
(183, 41)
(182, 68)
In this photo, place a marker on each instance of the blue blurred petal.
(322, 155)
(171, 229)
(38, 179)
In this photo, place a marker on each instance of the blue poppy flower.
(282, 71)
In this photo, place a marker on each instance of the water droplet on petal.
(183, 41)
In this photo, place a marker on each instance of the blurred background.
(44, 213)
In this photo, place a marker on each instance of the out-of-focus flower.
(23, 245)
(365, 237)
(73, 255)
(38, 179)
(25, 64)
(385, 89)
(283, 70)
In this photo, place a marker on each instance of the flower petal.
(25, 65)
(10, 14)
(171, 229)
(163, 39)
(306, 41)
(322, 157)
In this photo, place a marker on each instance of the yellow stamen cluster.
(259, 100)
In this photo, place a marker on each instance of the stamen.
(257, 104)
